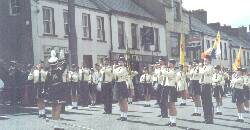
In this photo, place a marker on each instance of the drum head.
(1, 84)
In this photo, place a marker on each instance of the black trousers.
(162, 104)
(206, 97)
(107, 94)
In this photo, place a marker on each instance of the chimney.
(200, 14)
(215, 26)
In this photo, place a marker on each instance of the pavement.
(139, 118)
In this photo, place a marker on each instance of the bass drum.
(1, 84)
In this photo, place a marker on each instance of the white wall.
(85, 47)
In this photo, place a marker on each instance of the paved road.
(139, 118)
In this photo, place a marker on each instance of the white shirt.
(169, 77)
(206, 74)
(35, 75)
(181, 81)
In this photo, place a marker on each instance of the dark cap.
(217, 67)
(244, 69)
(106, 59)
(173, 61)
(74, 65)
(208, 57)
(161, 59)
(196, 61)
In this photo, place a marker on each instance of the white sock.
(129, 99)
(121, 114)
(246, 108)
(196, 110)
(125, 114)
(39, 112)
(239, 115)
(217, 109)
(173, 119)
(199, 110)
(43, 111)
(184, 101)
(74, 104)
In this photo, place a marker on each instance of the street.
(140, 118)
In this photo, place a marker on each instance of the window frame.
(86, 27)
(51, 21)
(15, 6)
(121, 46)
(66, 23)
(157, 40)
(100, 29)
(135, 46)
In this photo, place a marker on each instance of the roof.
(87, 3)
(126, 7)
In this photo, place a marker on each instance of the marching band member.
(218, 82)
(84, 78)
(130, 85)
(238, 95)
(38, 75)
(206, 73)
(74, 84)
(121, 75)
(95, 80)
(146, 82)
(106, 83)
(195, 87)
(182, 84)
(246, 89)
(170, 91)
(55, 84)
(159, 71)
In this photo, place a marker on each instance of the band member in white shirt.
(194, 85)
(74, 84)
(121, 76)
(146, 82)
(181, 78)
(218, 82)
(106, 82)
(246, 89)
(39, 76)
(206, 73)
(238, 93)
(170, 91)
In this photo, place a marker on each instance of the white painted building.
(50, 29)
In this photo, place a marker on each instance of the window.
(248, 59)
(174, 40)
(177, 11)
(15, 7)
(234, 55)
(221, 54)
(208, 44)
(100, 29)
(121, 35)
(48, 20)
(66, 22)
(86, 26)
(157, 46)
(244, 56)
(225, 51)
(134, 33)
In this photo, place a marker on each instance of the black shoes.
(122, 118)
(240, 120)
(208, 122)
(107, 113)
(42, 116)
(218, 113)
(147, 105)
(76, 108)
(246, 111)
(130, 102)
(171, 124)
(196, 114)
(183, 104)
(163, 116)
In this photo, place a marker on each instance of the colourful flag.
(182, 49)
(213, 50)
(236, 63)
